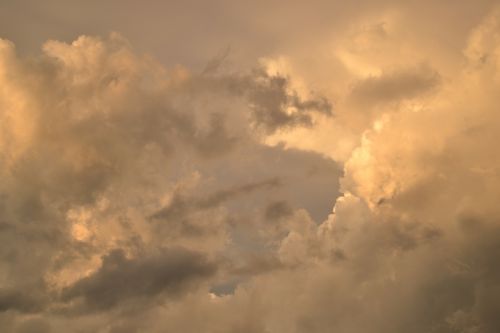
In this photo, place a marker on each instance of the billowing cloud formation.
(138, 197)
(126, 185)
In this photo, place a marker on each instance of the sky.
(249, 166)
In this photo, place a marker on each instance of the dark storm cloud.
(274, 104)
(395, 86)
(277, 210)
(270, 101)
(180, 206)
(120, 280)
(22, 300)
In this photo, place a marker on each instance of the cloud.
(411, 244)
(141, 197)
(278, 209)
(272, 101)
(120, 280)
(13, 300)
(395, 86)
(274, 107)
(96, 139)
(180, 206)
(35, 325)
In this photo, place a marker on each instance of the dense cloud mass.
(348, 188)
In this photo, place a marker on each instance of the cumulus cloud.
(103, 149)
